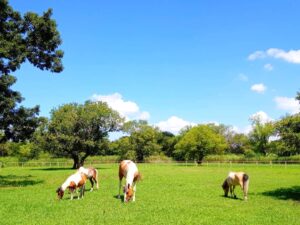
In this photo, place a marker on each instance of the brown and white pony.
(129, 170)
(73, 182)
(92, 175)
(233, 179)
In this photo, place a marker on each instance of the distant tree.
(167, 141)
(288, 129)
(124, 148)
(238, 144)
(33, 38)
(143, 138)
(198, 142)
(259, 136)
(298, 96)
(78, 131)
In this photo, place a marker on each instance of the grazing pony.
(233, 179)
(73, 182)
(92, 174)
(129, 170)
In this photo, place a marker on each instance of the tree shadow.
(18, 181)
(292, 193)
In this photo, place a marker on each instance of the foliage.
(79, 131)
(167, 141)
(288, 129)
(142, 141)
(198, 142)
(259, 136)
(16, 123)
(30, 37)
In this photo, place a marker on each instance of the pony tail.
(138, 177)
(245, 185)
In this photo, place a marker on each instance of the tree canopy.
(78, 130)
(33, 38)
(198, 142)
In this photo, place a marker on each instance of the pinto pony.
(92, 174)
(233, 179)
(129, 170)
(73, 182)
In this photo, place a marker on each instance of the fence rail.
(101, 162)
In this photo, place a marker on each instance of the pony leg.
(120, 184)
(134, 190)
(92, 183)
(233, 192)
(82, 192)
(96, 179)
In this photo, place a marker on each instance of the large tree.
(31, 38)
(79, 130)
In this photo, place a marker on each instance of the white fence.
(182, 163)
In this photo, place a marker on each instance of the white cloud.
(268, 67)
(257, 55)
(243, 77)
(291, 56)
(259, 88)
(261, 116)
(174, 124)
(290, 105)
(244, 130)
(128, 109)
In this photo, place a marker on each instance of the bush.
(158, 158)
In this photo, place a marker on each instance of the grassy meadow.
(168, 194)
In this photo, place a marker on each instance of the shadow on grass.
(18, 181)
(292, 193)
(121, 197)
(232, 198)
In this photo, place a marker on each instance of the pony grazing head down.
(73, 182)
(129, 171)
(233, 179)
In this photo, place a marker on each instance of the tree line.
(81, 130)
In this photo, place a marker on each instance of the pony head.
(129, 193)
(225, 187)
(60, 193)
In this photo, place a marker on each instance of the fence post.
(285, 164)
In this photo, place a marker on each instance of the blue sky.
(172, 62)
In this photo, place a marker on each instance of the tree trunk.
(76, 163)
(82, 159)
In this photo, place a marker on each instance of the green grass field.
(168, 194)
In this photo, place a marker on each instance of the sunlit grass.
(168, 194)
